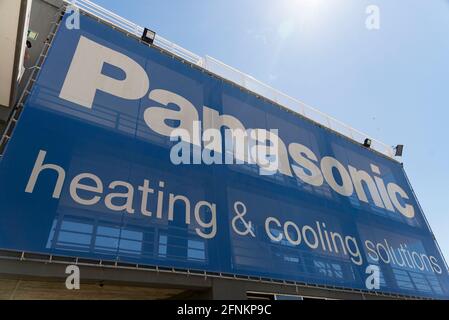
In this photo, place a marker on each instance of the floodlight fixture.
(367, 143)
(148, 36)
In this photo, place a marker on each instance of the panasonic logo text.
(84, 79)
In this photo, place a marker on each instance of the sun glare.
(302, 15)
(305, 4)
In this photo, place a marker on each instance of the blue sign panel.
(123, 153)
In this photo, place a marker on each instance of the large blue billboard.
(116, 157)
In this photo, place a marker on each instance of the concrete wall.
(9, 28)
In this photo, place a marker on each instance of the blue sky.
(392, 83)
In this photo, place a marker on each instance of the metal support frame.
(240, 283)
